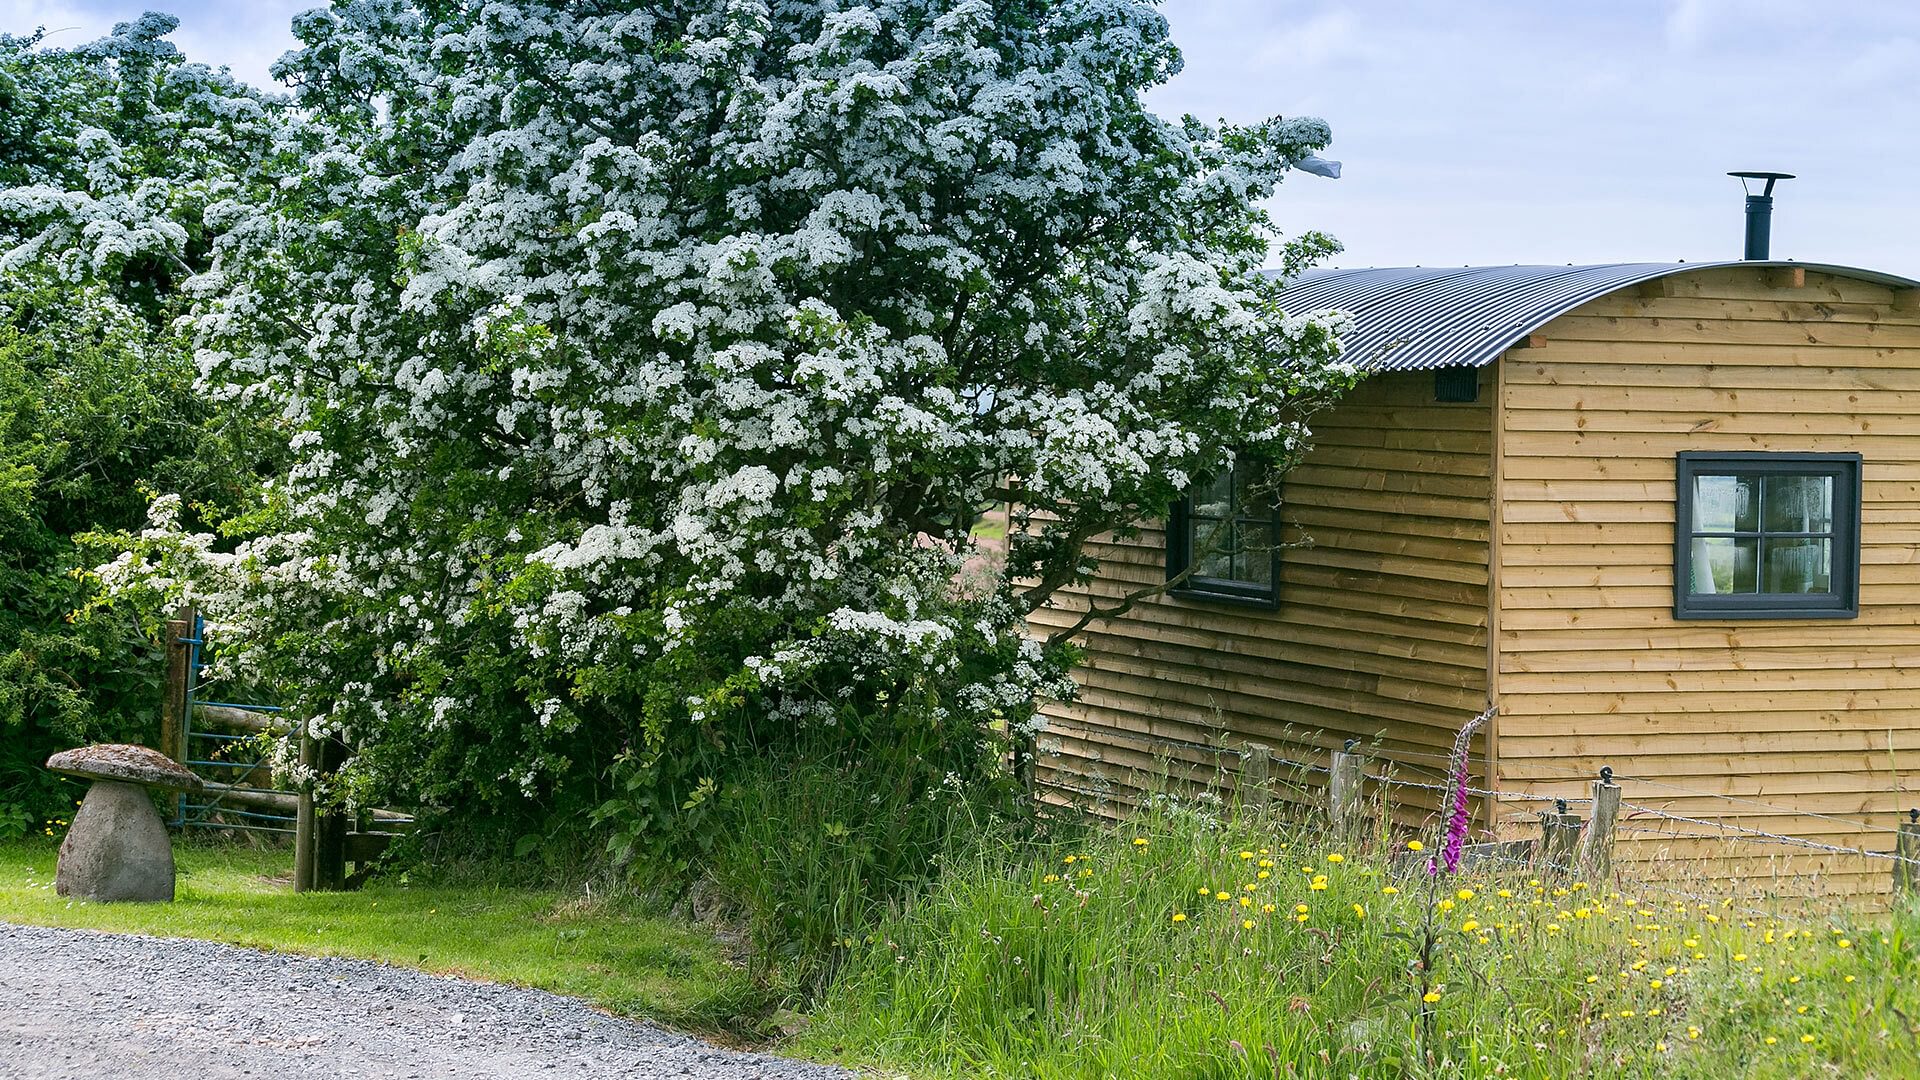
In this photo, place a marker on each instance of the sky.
(1481, 131)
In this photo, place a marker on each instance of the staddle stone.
(118, 848)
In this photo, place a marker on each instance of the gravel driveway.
(74, 1003)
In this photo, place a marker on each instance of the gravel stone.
(80, 1004)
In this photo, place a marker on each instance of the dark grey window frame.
(1180, 542)
(1842, 601)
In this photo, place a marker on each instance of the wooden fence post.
(1596, 853)
(1344, 791)
(173, 706)
(1256, 767)
(303, 816)
(1906, 852)
(1559, 836)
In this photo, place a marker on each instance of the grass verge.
(610, 952)
(1185, 947)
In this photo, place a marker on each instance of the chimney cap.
(1752, 174)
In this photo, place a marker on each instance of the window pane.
(1215, 564)
(1725, 565)
(1256, 553)
(1794, 565)
(1211, 499)
(1798, 504)
(1726, 503)
(1252, 497)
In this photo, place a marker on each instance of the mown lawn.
(609, 952)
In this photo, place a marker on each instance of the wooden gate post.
(1906, 856)
(1256, 768)
(173, 706)
(1559, 836)
(319, 835)
(1344, 791)
(1596, 853)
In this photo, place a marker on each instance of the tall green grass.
(1182, 946)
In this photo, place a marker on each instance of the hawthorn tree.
(648, 366)
(109, 154)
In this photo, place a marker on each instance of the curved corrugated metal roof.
(1419, 318)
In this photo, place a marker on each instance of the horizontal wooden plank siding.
(1809, 728)
(1380, 633)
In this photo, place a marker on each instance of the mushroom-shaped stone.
(118, 848)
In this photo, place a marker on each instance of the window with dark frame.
(1766, 536)
(1231, 527)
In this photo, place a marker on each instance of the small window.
(1767, 536)
(1230, 525)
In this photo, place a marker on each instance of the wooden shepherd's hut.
(1664, 517)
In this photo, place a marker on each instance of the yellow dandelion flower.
(1771, 1040)
(1505, 894)
(1265, 864)
(1205, 891)
(1415, 845)
(1139, 841)
(1299, 918)
(1246, 901)
(1246, 854)
(1591, 979)
(1430, 996)
(1264, 874)
(1739, 958)
(1336, 857)
(1071, 859)
(1691, 943)
(1246, 924)
(1849, 978)
(1802, 1010)
(1318, 886)
(1693, 1032)
(1179, 916)
(1389, 891)
(1806, 1038)
(1301, 908)
(1845, 943)
(1465, 894)
(1223, 895)
(1445, 904)
(1469, 926)
(1268, 908)
(1359, 912)
(1654, 984)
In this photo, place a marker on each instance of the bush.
(815, 848)
(1188, 946)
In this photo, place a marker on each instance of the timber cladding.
(1380, 632)
(1520, 549)
(1795, 717)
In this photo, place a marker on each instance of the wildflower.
(1430, 996)
(1739, 958)
(1849, 978)
(1336, 857)
(1246, 901)
(1445, 904)
(1693, 1032)
(1070, 860)
(1691, 943)
(1223, 895)
(1469, 926)
(1246, 924)
(1265, 864)
(1415, 845)
(1591, 979)
(1319, 885)
(1846, 944)
(1301, 908)
(1654, 984)
(1389, 891)
(1205, 891)
(1660, 1047)
(1179, 916)
(1359, 912)
(1465, 894)
(1806, 1038)
(1771, 1040)
(1050, 879)
(1264, 874)
(1139, 841)
(1246, 854)
(1267, 908)
(1505, 894)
